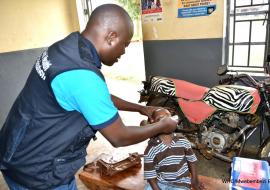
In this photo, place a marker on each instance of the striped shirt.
(169, 164)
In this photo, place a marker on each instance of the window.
(247, 39)
(84, 9)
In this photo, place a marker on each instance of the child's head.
(160, 113)
(157, 115)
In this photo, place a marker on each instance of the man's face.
(115, 49)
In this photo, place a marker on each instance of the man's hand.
(129, 106)
(120, 135)
(168, 124)
(148, 111)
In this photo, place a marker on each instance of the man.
(65, 101)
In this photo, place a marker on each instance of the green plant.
(132, 7)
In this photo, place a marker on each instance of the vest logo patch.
(43, 64)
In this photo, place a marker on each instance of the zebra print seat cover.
(162, 85)
(233, 98)
(178, 88)
(223, 97)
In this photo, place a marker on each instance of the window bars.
(248, 35)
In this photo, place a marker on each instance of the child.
(169, 162)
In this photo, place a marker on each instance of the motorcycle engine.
(222, 131)
(215, 139)
(227, 122)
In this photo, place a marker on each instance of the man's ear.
(111, 37)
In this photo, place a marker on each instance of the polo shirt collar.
(92, 52)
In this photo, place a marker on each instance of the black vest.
(41, 144)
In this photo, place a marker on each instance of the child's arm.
(194, 175)
(153, 183)
(150, 173)
(192, 161)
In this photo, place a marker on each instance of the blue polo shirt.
(84, 91)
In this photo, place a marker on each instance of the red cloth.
(195, 111)
(189, 91)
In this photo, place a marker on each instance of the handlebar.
(250, 78)
(233, 78)
(226, 80)
(262, 86)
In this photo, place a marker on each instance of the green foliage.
(132, 7)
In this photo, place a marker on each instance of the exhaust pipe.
(215, 154)
(222, 157)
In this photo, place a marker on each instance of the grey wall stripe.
(192, 60)
(14, 69)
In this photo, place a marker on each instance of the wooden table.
(133, 180)
(130, 179)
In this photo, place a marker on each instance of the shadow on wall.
(14, 70)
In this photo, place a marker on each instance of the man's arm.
(87, 93)
(128, 106)
(153, 184)
(120, 135)
(125, 105)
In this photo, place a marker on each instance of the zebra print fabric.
(162, 85)
(223, 97)
(229, 98)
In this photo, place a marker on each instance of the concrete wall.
(184, 48)
(14, 69)
(192, 60)
(27, 26)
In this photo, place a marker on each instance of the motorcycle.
(217, 121)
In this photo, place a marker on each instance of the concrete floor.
(213, 168)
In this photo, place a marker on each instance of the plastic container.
(249, 174)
